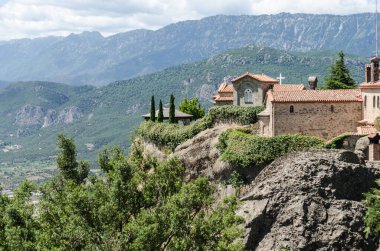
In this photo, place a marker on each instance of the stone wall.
(324, 120)
(371, 109)
(258, 91)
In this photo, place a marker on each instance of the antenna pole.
(376, 32)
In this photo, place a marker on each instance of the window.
(332, 108)
(291, 109)
(374, 101)
(248, 96)
(365, 101)
(378, 102)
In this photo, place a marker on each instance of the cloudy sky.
(35, 18)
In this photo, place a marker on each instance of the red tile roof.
(259, 77)
(288, 87)
(306, 96)
(368, 85)
(219, 98)
(365, 130)
(225, 88)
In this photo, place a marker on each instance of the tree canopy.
(339, 75)
(193, 107)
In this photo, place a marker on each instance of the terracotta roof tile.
(305, 96)
(260, 77)
(368, 85)
(288, 87)
(225, 88)
(219, 98)
(365, 130)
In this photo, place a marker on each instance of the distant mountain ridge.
(90, 58)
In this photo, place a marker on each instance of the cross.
(280, 78)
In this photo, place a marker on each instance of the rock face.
(29, 115)
(308, 201)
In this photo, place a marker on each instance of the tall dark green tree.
(339, 76)
(171, 109)
(160, 117)
(152, 109)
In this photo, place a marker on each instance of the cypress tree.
(171, 109)
(152, 110)
(160, 117)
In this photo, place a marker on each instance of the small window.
(374, 101)
(291, 109)
(378, 102)
(332, 108)
(248, 96)
(365, 101)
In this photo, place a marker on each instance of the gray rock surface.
(361, 148)
(308, 201)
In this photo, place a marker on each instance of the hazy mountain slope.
(89, 58)
(35, 112)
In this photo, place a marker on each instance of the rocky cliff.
(304, 201)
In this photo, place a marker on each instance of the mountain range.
(34, 112)
(89, 58)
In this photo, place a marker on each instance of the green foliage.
(160, 117)
(372, 217)
(171, 135)
(68, 166)
(139, 204)
(337, 142)
(339, 76)
(243, 115)
(377, 123)
(171, 110)
(152, 109)
(236, 179)
(193, 107)
(248, 150)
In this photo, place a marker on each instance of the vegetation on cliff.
(136, 205)
(249, 150)
(169, 136)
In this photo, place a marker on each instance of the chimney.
(313, 81)
(368, 73)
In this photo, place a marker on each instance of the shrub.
(247, 150)
(243, 115)
(337, 142)
(170, 136)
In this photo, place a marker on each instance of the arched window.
(248, 96)
(365, 101)
(291, 109)
(332, 108)
(374, 101)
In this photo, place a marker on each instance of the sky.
(37, 18)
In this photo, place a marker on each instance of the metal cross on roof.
(280, 78)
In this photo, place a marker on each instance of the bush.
(372, 217)
(248, 150)
(243, 115)
(171, 135)
(337, 142)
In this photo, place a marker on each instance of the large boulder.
(309, 201)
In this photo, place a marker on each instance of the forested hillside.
(34, 112)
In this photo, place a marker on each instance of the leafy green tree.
(339, 76)
(68, 166)
(152, 109)
(193, 107)
(21, 226)
(160, 117)
(171, 110)
(372, 217)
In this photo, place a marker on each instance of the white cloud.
(34, 18)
